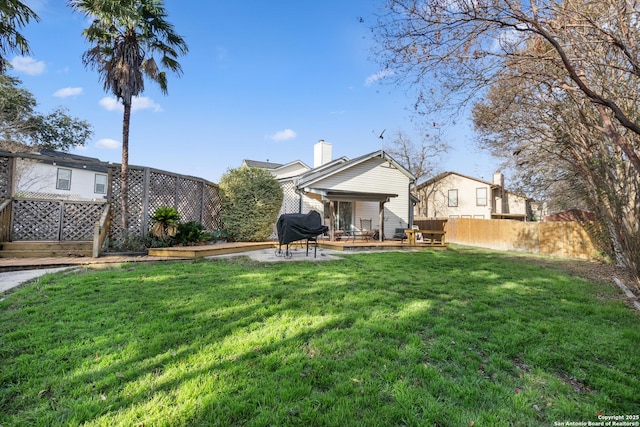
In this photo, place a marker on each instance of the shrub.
(251, 200)
(165, 223)
(191, 233)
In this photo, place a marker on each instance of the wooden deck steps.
(40, 249)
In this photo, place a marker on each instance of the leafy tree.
(21, 126)
(14, 15)
(125, 35)
(251, 200)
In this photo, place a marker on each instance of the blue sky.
(262, 81)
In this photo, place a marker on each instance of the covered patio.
(332, 197)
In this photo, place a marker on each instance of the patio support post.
(381, 222)
(331, 221)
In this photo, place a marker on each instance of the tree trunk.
(124, 169)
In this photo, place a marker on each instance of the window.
(481, 196)
(453, 198)
(100, 186)
(64, 179)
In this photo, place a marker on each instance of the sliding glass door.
(342, 215)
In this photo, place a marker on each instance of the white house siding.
(312, 204)
(374, 175)
(437, 198)
(37, 179)
(367, 210)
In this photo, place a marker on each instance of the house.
(453, 195)
(55, 175)
(373, 186)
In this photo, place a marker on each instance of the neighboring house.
(453, 195)
(373, 186)
(56, 175)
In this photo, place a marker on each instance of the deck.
(229, 248)
(193, 252)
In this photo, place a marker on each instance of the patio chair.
(366, 228)
(399, 235)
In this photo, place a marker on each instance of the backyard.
(463, 337)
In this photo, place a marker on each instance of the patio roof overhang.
(350, 196)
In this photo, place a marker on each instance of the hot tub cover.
(292, 227)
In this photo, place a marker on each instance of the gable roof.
(261, 165)
(443, 175)
(344, 163)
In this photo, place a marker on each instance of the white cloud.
(68, 91)
(144, 103)
(283, 135)
(377, 77)
(27, 65)
(110, 103)
(109, 144)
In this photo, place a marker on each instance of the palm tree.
(13, 15)
(125, 35)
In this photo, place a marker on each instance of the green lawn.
(447, 338)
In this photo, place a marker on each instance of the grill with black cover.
(294, 227)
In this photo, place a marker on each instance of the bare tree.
(565, 90)
(420, 159)
(451, 50)
(556, 141)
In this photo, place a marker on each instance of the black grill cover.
(292, 227)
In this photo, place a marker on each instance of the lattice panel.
(135, 205)
(290, 200)
(79, 219)
(5, 177)
(162, 191)
(189, 200)
(212, 208)
(35, 220)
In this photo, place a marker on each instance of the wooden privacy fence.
(565, 239)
